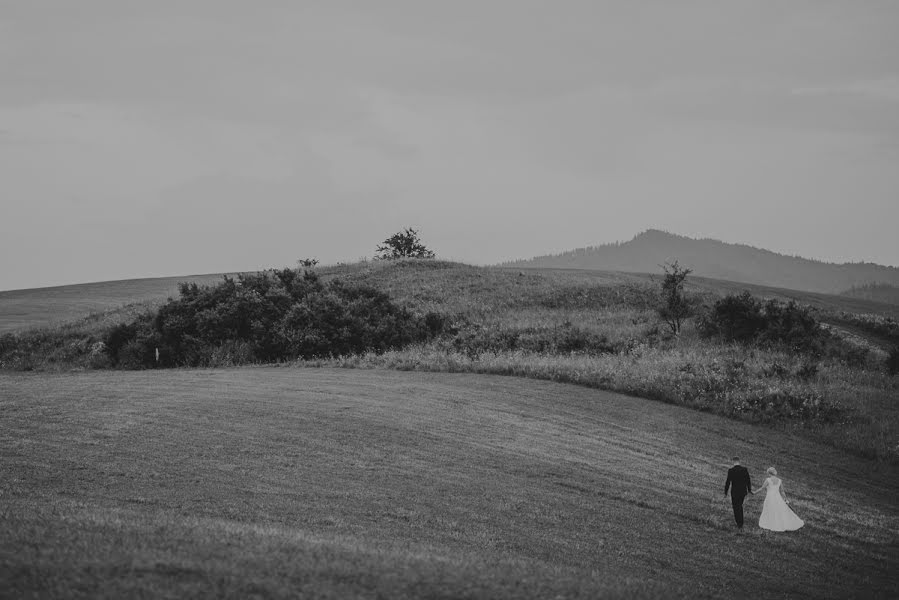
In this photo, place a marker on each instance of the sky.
(176, 137)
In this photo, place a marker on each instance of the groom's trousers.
(737, 501)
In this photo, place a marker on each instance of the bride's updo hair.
(772, 471)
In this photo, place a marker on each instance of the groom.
(740, 485)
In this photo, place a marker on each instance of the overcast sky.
(162, 137)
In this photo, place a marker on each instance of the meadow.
(277, 482)
(596, 329)
(55, 306)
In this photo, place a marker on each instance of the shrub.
(269, 316)
(892, 362)
(735, 318)
(791, 325)
(746, 319)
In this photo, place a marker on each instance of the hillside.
(592, 328)
(283, 482)
(39, 307)
(879, 292)
(43, 307)
(718, 260)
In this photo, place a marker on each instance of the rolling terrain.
(333, 483)
(719, 260)
(596, 329)
(43, 307)
(40, 307)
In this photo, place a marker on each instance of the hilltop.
(718, 260)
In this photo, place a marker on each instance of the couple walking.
(776, 513)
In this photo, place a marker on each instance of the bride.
(776, 513)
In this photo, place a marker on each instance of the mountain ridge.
(708, 257)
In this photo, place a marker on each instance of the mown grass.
(48, 307)
(327, 483)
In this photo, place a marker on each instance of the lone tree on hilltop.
(404, 244)
(675, 307)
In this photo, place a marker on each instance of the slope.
(719, 260)
(39, 307)
(332, 483)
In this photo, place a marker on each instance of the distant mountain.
(718, 260)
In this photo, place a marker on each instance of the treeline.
(879, 292)
(270, 316)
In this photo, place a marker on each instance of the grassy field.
(42, 307)
(329, 483)
(590, 328)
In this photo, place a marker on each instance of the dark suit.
(739, 484)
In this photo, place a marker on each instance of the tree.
(675, 307)
(404, 244)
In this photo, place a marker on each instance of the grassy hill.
(597, 330)
(719, 260)
(40, 307)
(47, 307)
(323, 483)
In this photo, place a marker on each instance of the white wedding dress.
(776, 514)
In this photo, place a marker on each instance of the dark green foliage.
(790, 324)
(735, 318)
(746, 319)
(118, 337)
(266, 317)
(52, 347)
(404, 244)
(675, 306)
(892, 361)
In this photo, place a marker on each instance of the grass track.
(268, 482)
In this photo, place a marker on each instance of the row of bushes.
(270, 316)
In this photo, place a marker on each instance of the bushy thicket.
(266, 317)
(747, 319)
